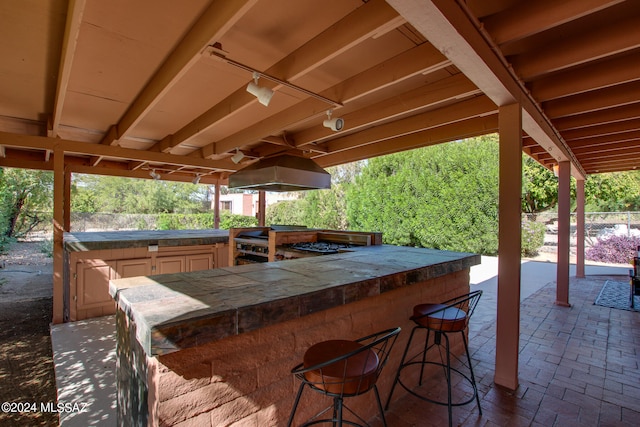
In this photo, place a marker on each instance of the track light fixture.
(336, 124)
(237, 158)
(196, 179)
(263, 94)
(155, 175)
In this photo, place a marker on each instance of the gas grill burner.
(320, 247)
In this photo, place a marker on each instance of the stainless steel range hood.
(281, 173)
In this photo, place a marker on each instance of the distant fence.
(598, 225)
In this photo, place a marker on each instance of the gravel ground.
(26, 366)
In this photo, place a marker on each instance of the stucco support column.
(59, 204)
(262, 205)
(580, 228)
(564, 233)
(509, 247)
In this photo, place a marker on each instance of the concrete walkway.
(84, 352)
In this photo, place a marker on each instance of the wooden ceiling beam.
(601, 130)
(599, 43)
(612, 115)
(621, 140)
(82, 148)
(533, 17)
(467, 129)
(219, 17)
(454, 113)
(363, 23)
(450, 27)
(75, 13)
(447, 90)
(420, 59)
(602, 99)
(619, 70)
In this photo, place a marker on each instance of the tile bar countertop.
(93, 241)
(177, 311)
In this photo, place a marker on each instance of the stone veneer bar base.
(245, 380)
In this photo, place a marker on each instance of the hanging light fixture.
(196, 179)
(336, 124)
(237, 158)
(263, 94)
(155, 175)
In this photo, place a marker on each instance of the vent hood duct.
(281, 173)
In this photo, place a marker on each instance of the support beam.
(72, 29)
(452, 30)
(564, 206)
(58, 234)
(262, 206)
(216, 207)
(580, 228)
(509, 247)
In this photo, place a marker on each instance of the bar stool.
(341, 369)
(443, 319)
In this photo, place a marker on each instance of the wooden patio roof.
(126, 87)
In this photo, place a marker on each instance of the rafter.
(612, 115)
(458, 112)
(72, 28)
(421, 59)
(361, 24)
(529, 17)
(212, 24)
(600, 75)
(448, 27)
(467, 129)
(75, 147)
(593, 101)
(599, 43)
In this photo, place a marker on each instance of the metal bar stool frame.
(451, 316)
(373, 349)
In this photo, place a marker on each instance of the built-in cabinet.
(90, 272)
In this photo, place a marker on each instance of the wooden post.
(509, 247)
(564, 207)
(580, 228)
(58, 233)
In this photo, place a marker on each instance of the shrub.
(614, 249)
(532, 237)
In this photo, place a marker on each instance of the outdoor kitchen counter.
(92, 241)
(172, 312)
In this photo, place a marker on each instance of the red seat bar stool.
(342, 369)
(449, 317)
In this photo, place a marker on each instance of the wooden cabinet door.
(199, 262)
(133, 267)
(170, 264)
(93, 283)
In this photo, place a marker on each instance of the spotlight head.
(155, 175)
(335, 125)
(237, 158)
(196, 179)
(263, 94)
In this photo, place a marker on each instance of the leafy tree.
(444, 196)
(539, 187)
(94, 193)
(611, 192)
(27, 200)
(286, 212)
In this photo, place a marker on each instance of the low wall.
(246, 380)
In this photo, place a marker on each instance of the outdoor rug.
(616, 295)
